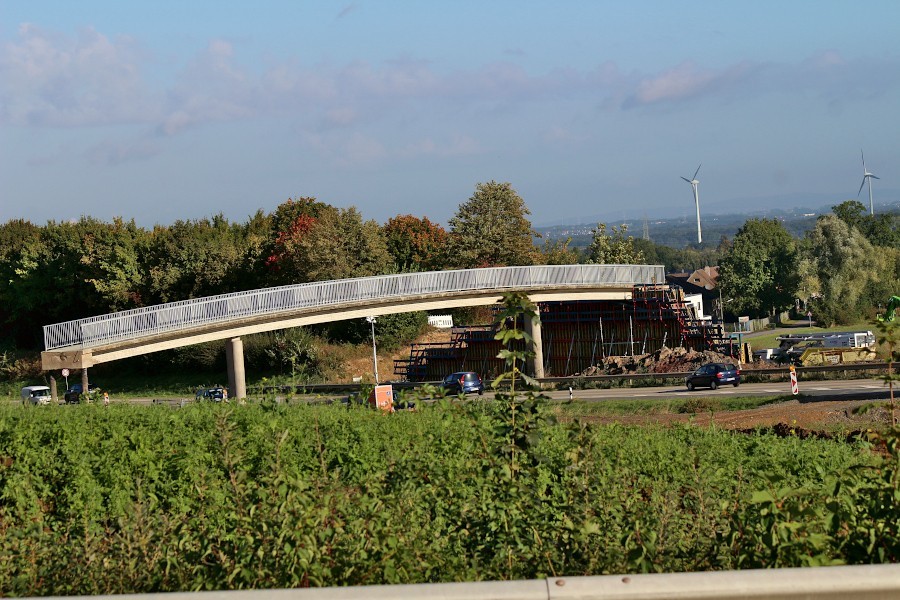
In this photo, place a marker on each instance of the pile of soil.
(664, 360)
(794, 417)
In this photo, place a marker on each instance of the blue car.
(712, 375)
(463, 382)
(73, 394)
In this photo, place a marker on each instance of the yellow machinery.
(824, 348)
(817, 355)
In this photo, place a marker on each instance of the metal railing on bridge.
(174, 316)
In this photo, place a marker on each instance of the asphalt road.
(853, 389)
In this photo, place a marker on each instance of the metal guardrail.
(860, 582)
(324, 388)
(174, 316)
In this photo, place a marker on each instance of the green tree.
(851, 212)
(881, 230)
(844, 264)
(111, 260)
(616, 248)
(192, 259)
(416, 244)
(66, 271)
(758, 274)
(678, 260)
(20, 244)
(491, 229)
(558, 252)
(391, 331)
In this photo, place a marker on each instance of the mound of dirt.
(664, 360)
(784, 418)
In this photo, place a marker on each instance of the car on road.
(213, 394)
(463, 382)
(35, 394)
(73, 394)
(712, 375)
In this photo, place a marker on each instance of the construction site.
(586, 336)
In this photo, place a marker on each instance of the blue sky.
(165, 110)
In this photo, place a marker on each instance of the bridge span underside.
(78, 357)
(84, 343)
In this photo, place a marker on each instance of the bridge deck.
(84, 342)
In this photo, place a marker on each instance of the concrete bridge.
(83, 343)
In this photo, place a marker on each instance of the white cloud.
(682, 81)
(53, 80)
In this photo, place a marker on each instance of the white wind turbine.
(867, 177)
(694, 183)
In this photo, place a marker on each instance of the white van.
(36, 394)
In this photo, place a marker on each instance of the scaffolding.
(469, 349)
(576, 335)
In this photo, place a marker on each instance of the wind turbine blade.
(686, 179)
(697, 171)
(874, 176)
(861, 187)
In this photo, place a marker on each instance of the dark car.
(712, 375)
(213, 394)
(73, 394)
(463, 382)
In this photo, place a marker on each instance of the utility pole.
(721, 306)
(372, 320)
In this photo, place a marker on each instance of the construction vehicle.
(891, 312)
(824, 348)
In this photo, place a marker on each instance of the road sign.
(382, 397)
(65, 372)
(795, 389)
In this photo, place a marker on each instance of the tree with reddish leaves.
(416, 244)
(318, 242)
(286, 244)
(291, 221)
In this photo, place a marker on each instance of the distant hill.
(681, 231)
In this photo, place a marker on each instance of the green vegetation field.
(138, 499)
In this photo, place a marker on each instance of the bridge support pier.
(85, 388)
(234, 357)
(535, 364)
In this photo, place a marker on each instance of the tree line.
(842, 271)
(69, 270)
